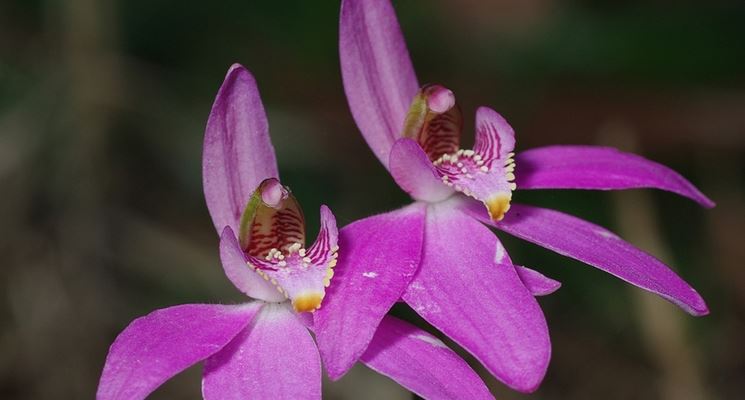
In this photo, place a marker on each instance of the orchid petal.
(421, 363)
(154, 348)
(600, 168)
(274, 358)
(537, 283)
(378, 76)
(327, 241)
(234, 263)
(495, 138)
(415, 174)
(482, 305)
(596, 246)
(378, 257)
(237, 152)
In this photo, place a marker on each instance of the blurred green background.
(102, 217)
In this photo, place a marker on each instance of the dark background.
(102, 218)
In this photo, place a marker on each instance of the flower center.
(489, 180)
(485, 173)
(299, 274)
(272, 235)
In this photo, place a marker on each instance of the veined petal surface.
(274, 358)
(378, 76)
(596, 246)
(495, 138)
(378, 256)
(237, 153)
(327, 241)
(480, 304)
(600, 168)
(154, 348)
(421, 363)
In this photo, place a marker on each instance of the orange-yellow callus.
(498, 205)
(307, 302)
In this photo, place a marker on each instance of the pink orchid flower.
(437, 254)
(263, 349)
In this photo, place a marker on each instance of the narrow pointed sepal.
(596, 246)
(378, 75)
(237, 153)
(599, 168)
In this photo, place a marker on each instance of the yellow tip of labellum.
(498, 205)
(307, 302)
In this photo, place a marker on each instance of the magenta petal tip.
(599, 168)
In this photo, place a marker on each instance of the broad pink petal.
(594, 245)
(421, 363)
(537, 283)
(480, 304)
(601, 168)
(378, 76)
(154, 348)
(377, 258)
(415, 174)
(495, 138)
(244, 278)
(274, 358)
(237, 153)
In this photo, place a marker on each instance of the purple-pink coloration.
(263, 349)
(599, 168)
(401, 351)
(465, 283)
(380, 252)
(537, 283)
(477, 298)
